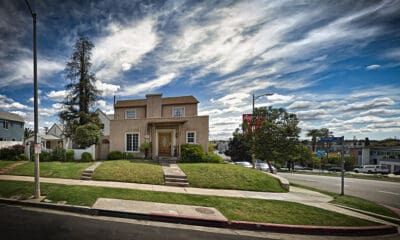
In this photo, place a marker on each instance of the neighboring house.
(103, 147)
(52, 139)
(166, 123)
(11, 128)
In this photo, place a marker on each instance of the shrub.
(128, 155)
(45, 157)
(86, 157)
(192, 153)
(22, 157)
(213, 158)
(11, 153)
(58, 154)
(69, 155)
(115, 155)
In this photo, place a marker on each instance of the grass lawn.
(4, 163)
(381, 177)
(126, 171)
(228, 176)
(268, 211)
(52, 169)
(354, 202)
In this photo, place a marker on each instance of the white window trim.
(6, 123)
(126, 113)
(173, 111)
(195, 136)
(126, 144)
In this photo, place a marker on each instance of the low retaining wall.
(282, 181)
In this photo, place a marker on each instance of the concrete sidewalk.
(297, 195)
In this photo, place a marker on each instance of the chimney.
(154, 102)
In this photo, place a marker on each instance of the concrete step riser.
(176, 180)
(175, 176)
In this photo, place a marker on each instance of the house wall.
(15, 131)
(120, 113)
(153, 105)
(106, 122)
(199, 124)
(190, 110)
(56, 131)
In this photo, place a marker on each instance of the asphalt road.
(17, 222)
(387, 193)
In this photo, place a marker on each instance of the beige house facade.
(164, 123)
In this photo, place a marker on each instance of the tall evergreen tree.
(81, 124)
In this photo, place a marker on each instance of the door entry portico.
(164, 144)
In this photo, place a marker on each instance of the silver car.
(265, 167)
(244, 164)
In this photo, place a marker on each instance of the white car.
(372, 169)
(244, 164)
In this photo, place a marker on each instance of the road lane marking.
(398, 194)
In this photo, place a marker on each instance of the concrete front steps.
(177, 181)
(88, 172)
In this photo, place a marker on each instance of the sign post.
(338, 140)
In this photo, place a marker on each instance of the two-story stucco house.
(11, 127)
(166, 123)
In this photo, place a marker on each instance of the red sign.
(248, 121)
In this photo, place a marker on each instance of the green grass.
(126, 171)
(239, 209)
(52, 169)
(354, 202)
(4, 163)
(380, 177)
(228, 176)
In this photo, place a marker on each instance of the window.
(178, 112)
(132, 142)
(191, 137)
(5, 124)
(130, 114)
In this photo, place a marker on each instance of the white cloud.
(123, 48)
(377, 102)
(8, 104)
(106, 89)
(57, 96)
(301, 104)
(373, 67)
(148, 86)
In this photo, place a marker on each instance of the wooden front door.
(164, 144)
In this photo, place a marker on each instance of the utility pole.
(37, 147)
(342, 166)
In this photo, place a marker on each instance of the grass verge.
(354, 202)
(52, 169)
(240, 209)
(4, 163)
(228, 176)
(126, 171)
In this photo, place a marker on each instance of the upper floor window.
(130, 114)
(5, 124)
(178, 112)
(191, 137)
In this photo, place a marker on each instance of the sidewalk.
(297, 195)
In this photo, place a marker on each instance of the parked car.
(334, 169)
(372, 169)
(244, 164)
(265, 167)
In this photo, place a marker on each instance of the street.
(383, 192)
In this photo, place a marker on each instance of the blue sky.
(334, 63)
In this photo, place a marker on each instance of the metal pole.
(35, 105)
(342, 162)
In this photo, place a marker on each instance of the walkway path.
(174, 176)
(298, 195)
(88, 172)
(9, 167)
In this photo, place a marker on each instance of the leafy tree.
(82, 94)
(28, 133)
(313, 133)
(276, 138)
(238, 148)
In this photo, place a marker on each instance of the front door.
(164, 144)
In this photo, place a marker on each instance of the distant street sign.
(331, 139)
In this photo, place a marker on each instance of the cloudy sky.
(334, 63)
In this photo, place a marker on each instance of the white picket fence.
(78, 152)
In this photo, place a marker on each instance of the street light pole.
(37, 147)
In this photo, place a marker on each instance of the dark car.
(334, 169)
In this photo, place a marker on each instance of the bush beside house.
(12, 153)
(86, 157)
(192, 153)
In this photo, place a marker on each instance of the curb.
(386, 218)
(239, 225)
(282, 181)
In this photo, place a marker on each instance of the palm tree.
(313, 133)
(28, 133)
